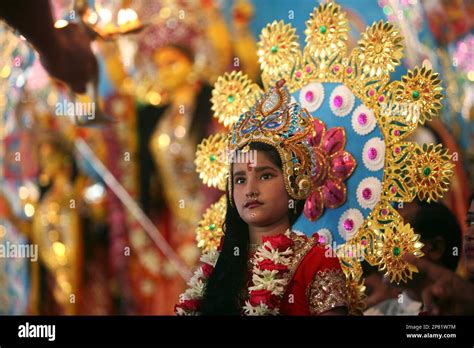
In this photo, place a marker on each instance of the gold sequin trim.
(302, 245)
(327, 291)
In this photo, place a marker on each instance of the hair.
(225, 285)
(436, 220)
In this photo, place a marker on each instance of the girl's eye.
(266, 176)
(239, 180)
(469, 222)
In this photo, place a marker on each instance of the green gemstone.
(415, 94)
(322, 29)
(274, 49)
(212, 157)
(396, 251)
(427, 171)
(230, 98)
(212, 227)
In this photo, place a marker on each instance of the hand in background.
(73, 62)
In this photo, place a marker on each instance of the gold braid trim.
(301, 247)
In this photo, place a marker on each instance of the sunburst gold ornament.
(233, 94)
(422, 89)
(211, 161)
(393, 243)
(278, 52)
(326, 31)
(209, 231)
(380, 49)
(432, 170)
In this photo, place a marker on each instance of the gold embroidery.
(326, 291)
(302, 245)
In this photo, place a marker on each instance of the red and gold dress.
(290, 274)
(318, 283)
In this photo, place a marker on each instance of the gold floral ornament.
(356, 296)
(211, 161)
(380, 49)
(326, 32)
(393, 243)
(233, 94)
(278, 52)
(422, 89)
(209, 231)
(432, 169)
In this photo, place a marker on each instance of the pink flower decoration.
(333, 166)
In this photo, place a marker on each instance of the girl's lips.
(253, 205)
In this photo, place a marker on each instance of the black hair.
(436, 220)
(224, 290)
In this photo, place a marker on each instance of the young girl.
(263, 267)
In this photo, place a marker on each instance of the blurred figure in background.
(378, 289)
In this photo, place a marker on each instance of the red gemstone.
(338, 101)
(372, 154)
(367, 193)
(362, 119)
(349, 224)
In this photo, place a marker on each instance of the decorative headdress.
(276, 121)
(360, 161)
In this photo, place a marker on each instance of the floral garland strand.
(190, 300)
(269, 278)
(270, 267)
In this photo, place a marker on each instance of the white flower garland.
(273, 281)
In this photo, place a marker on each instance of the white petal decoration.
(363, 120)
(373, 154)
(341, 101)
(312, 96)
(368, 192)
(349, 223)
(326, 235)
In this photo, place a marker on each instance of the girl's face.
(259, 191)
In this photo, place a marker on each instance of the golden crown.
(279, 122)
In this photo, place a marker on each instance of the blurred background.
(112, 202)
